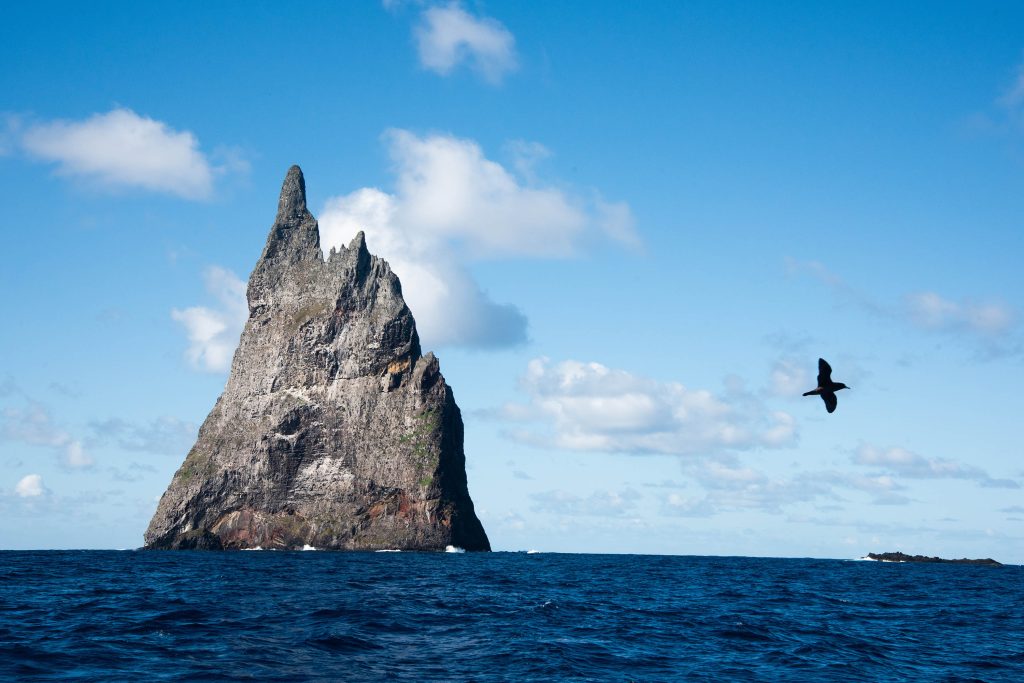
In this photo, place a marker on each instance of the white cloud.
(913, 466)
(789, 378)
(452, 204)
(120, 149)
(76, 457)
(587, 406)
(449, 35)
(213, 332)
(30, 486)
(688, 506)
(447, 188)
(447, 303)
(931, 311)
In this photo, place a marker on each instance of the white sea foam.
(256, 548)
(388, 550)
(533, 552)
(453, 549)
(308, 547)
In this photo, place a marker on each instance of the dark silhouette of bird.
(826, 387)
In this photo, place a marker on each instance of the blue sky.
(628, 233)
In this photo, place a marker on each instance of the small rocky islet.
(902, 557)
(334, 430)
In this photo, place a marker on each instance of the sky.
(627, 231)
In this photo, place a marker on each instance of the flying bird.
(826, 387)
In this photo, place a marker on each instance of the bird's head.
(840, 385)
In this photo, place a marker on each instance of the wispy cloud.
(121, 149)
(34, 426)
(729, 485)
(588, 406)
(930, 311)
(448, 36)
(908, 464)
(162, 436)
(213, 331)
(599, 503)
(10, 125)
(988, 325)
(453, 205)
(789, 378)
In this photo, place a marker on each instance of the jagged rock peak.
(359, 242)
(333, 430)
(292, 204)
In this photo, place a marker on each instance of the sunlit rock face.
(333, 430)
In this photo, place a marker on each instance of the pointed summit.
(294, 235)
(291, 207)
(358, 242)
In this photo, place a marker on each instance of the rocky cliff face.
(333, 430)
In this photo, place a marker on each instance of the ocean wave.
(492, 617)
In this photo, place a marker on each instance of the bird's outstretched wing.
(824, 374)
(830, 400)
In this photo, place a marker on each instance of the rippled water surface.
(102, 615)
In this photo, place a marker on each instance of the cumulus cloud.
(448, 36)
(587, 406)
(452, 205)
(30, 486)
(121, 149)
(213, 332)
(913, 466)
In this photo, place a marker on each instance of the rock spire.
(333, 430)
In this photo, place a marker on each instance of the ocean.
(331, 616)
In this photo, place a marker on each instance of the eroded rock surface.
(333, 430)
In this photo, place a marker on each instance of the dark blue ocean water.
(108, 615)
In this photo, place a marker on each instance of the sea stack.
(333, 430)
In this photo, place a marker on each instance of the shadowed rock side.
(333, 431)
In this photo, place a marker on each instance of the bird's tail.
(812, 392)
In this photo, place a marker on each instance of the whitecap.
(388, 550)
(533, 552)
(256, 548)
(453, 549)
(308, 547)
